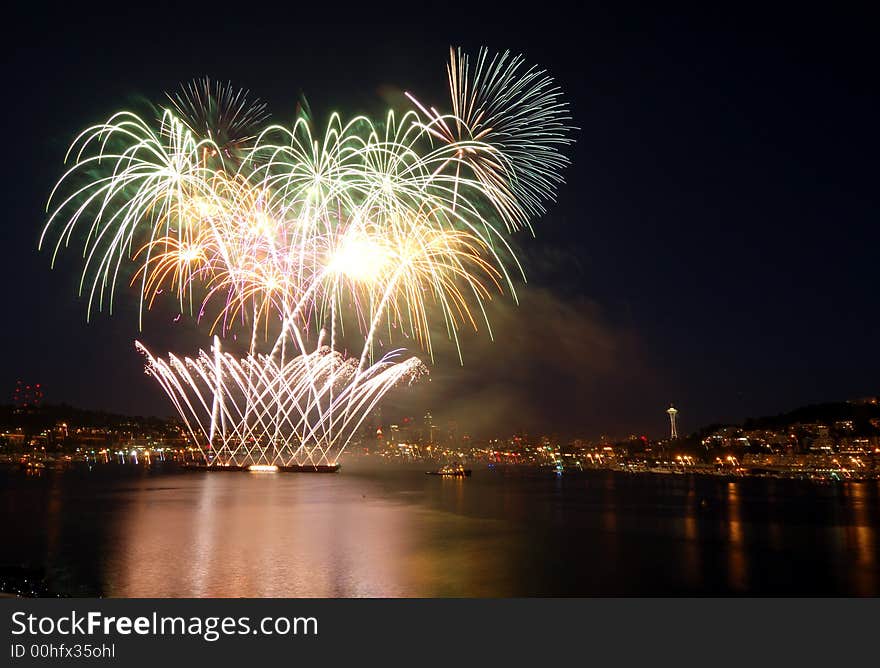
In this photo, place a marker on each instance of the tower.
(430, 428)
(673, 432)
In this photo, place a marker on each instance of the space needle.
(673, 432)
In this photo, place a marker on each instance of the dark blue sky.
(714, 245)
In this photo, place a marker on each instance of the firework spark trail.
(220, 112)
(364, 226)
(253, 392)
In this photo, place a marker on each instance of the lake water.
(126, 531)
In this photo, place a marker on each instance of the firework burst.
(219, 112)
(298, 236)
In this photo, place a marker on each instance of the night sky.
(714, 245)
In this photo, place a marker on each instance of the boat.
(310, 468)
(264, 468)
(458, 471)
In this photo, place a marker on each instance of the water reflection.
(861, 535)
(737, 574)
(299, 536)
(691, 545)
(401, 533)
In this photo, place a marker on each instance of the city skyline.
(427, 428)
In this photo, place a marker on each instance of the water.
(127, 531)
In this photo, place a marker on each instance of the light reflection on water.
(862, 536)
(737, 575)
(287, 535)
(390, 533)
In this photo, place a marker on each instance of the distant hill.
(50, 414)
(861, 415)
